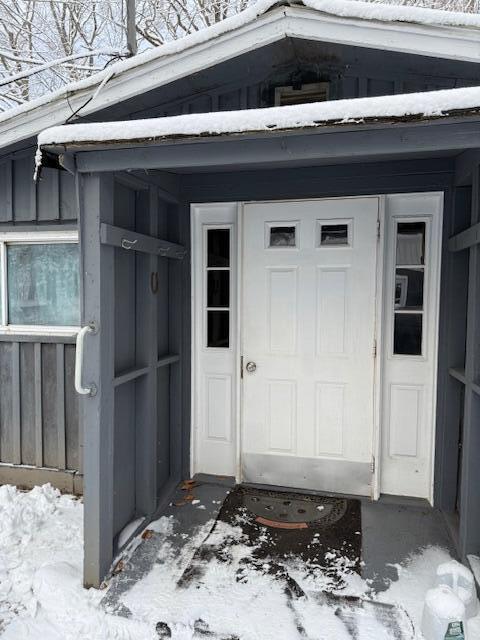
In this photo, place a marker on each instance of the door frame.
(379, 333)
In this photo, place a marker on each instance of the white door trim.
(377, 385)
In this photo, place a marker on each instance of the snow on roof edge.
(395, 13)
(359, 9)
(426, 104)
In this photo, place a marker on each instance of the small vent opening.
(314, 92)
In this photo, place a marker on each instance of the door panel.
(309, 282)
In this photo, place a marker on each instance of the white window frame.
(30, 237)
(206, 228)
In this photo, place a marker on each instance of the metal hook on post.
(128, 244)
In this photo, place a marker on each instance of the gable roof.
(414, 30)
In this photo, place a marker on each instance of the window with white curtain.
(40, 284)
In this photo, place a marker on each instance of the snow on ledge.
(359, 110)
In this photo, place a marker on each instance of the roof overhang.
(151, 70)
(326, 144)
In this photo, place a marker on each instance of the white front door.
(308, 315)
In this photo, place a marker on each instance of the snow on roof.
(372, 11)
(168, 49)
(394, 13)
(360, 110)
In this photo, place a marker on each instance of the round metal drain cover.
(294, 509)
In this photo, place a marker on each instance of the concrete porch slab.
(391, 531)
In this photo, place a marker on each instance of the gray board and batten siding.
(39, 426)
(38, 407)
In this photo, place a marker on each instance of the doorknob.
(251, 367)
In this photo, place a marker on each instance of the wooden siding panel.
(49, 404)
(201, 104)
(230, 101)
(38, 414)
(60, 389)
(39, 423)
(380, 87)
(16, 426)
(27, 402)
(73, 440)
(48, 206)
(24, 189)
(6, 200)
(6, 378)
(68, 200)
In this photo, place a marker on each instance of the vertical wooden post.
(97, 412)
(470, 499)
(147, 354)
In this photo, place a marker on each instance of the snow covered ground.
(41, 596)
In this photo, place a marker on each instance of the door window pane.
(43, 284)
(218, 288)
(218, 332)
(334, 234)
(410, 243)
(218, 250)
(282, 236)
(409, 289)
(408, 334)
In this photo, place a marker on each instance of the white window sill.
(61, 332)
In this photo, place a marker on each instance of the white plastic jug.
(444, 616)
(461, 581)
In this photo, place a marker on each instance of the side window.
(40, 281)
(218, 288)
(409, 288)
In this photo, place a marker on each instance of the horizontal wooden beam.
(138, 372)
(132, 241)
(458, 373)
(465, 239)
(322, 144)
(128, 376)
(166, 360)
